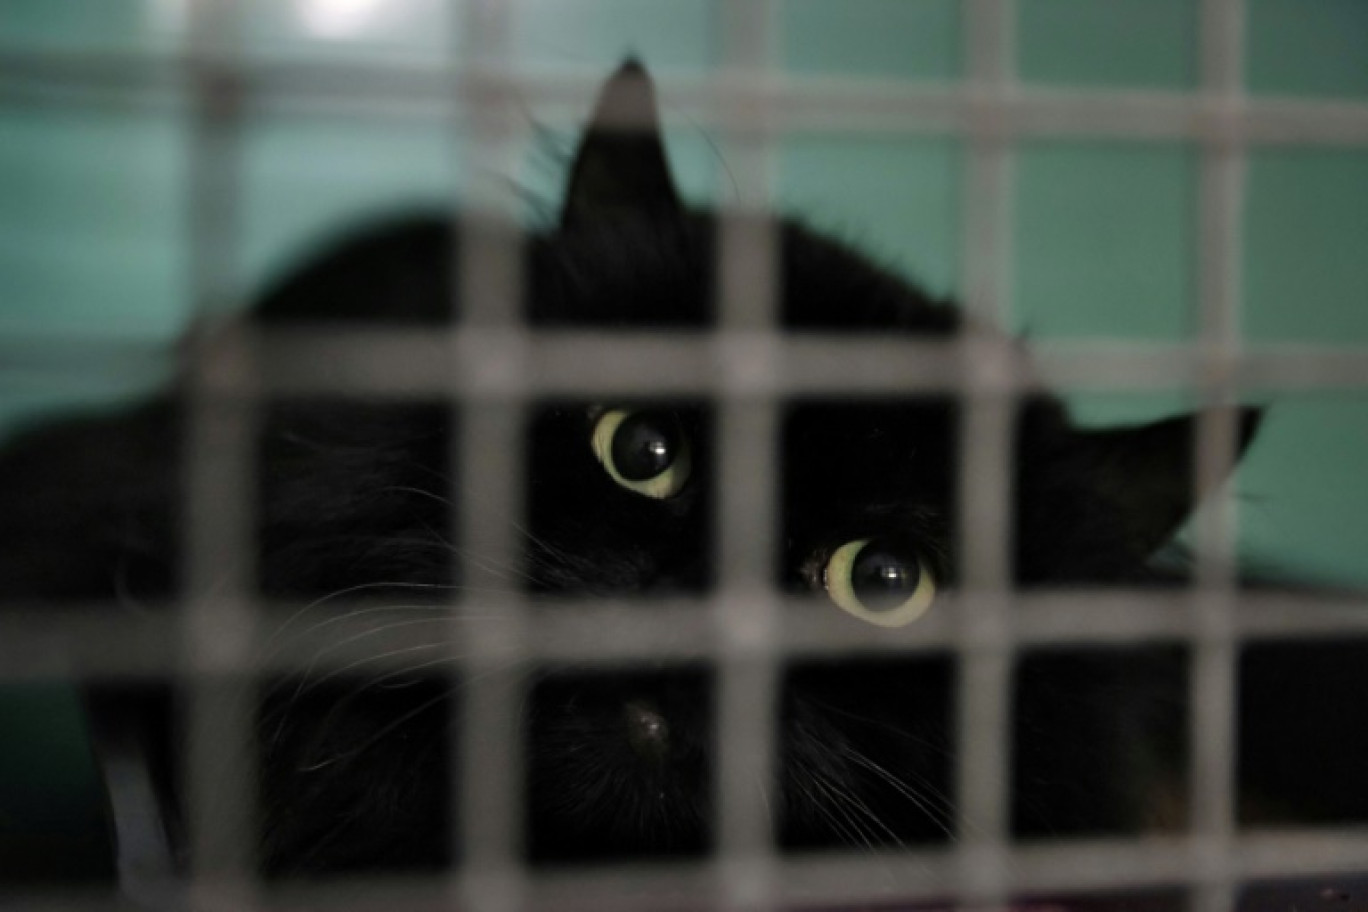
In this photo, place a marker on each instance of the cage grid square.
(490, 369)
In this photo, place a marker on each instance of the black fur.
(354, 501)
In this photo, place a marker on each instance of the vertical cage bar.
(989, 36)
(218, 478)
(990, 42)
(985, 492)
(748, 460)
(1214, 679)
(488, 468)
(219, 707)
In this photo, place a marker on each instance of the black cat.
(354, 509)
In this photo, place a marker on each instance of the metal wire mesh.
(490, 368)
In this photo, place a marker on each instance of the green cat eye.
(646, 452)
(879, 582)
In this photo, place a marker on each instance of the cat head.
(620, 501)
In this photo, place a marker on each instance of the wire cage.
(490, 371)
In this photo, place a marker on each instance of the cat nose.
(647, 730)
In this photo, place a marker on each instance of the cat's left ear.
(620, 166)
(1146, 473)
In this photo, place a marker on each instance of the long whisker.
(350, 590)
(848, 801)
(811, 780)
(375, 631)
(378, 657)
(504, 570)
(817, 804)
(883, 725)
(451, 611)
(938, 815)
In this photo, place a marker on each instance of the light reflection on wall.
(168, 15)
(342, 18)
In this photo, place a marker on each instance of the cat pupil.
(644, 446)
(882, 579)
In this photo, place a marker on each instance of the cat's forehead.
(631, 270)
(647, 269)
(862, 450)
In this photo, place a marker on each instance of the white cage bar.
(986, 440)
(489, 459)
(1213, 673)
(743, 540)
(214, 694)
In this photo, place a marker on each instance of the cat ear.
(620, 166)
(1145, 473)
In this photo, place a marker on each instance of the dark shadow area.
(1303, 733)
(1100, 742)
(357, 773)
(54, 829)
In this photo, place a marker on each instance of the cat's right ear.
(1145, 473)
(620, 167)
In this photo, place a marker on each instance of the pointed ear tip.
(630, 75)
(628, 93)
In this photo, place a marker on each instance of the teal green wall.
(93, 202)
(1121, 44)
(1105, 240)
